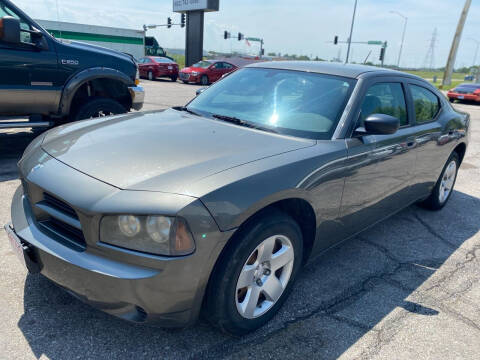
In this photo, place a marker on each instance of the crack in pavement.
(352, 294)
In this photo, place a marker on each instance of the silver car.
(216, 206)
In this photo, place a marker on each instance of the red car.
(153, 67)
(206, 71)
(469, 92)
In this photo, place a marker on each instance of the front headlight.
(154, 234)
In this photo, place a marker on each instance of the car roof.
(330, 68)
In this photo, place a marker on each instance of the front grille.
(56, 217)
(60, 205)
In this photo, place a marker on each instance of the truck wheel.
(185, 81)
(99, 107)
(204, 80)
(174, 78)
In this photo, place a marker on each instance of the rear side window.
(426, 103)
(385, 98)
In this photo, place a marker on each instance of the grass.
(428, 75)
(457, 78)
(179, 59)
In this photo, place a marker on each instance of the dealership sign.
(192, 5)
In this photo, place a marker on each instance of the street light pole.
(403, 35)
(351, 32)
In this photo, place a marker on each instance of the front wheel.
(255, 274)
(444, 187)
(99, 107)
(204, 80)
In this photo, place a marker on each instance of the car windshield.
(202, 64)
(162, 60)
(289, 102)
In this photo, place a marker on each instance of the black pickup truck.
(54, 82)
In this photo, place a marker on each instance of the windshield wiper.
(184, 108)
(237, 121)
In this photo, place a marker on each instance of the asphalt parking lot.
(407, 288)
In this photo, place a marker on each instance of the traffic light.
(169, 23)
(240, 36)
(382, 54)
(335, 40)
(226, 35)
(182, 20)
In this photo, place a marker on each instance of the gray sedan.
(214, 207)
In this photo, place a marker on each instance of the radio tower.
(429, 62)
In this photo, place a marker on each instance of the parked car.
(54, 82)
(154, 67)
(216, 206)
(469, 78)
(206, 71)
(469, 92)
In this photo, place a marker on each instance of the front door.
(380, 167)
(27, 73)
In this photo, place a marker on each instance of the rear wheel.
(99, 107)
(255, 274)
(444, 187)
(452, 100)
(174, 78)
(185, 81)
(204, 80)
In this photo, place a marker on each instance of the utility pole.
(351, 32)
(403, 35)
(447, 76)
(476, 51)
(429, 62)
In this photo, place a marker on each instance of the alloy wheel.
(264, 276)
(447, 182)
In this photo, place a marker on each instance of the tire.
(452, 100)
(204, 80)
(185, 81)
(174, 78)
(99, 107)
(439, 196)
(227, 300)
(150, 76)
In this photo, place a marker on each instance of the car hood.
(192, 69)
(163, 151)
(100, 50)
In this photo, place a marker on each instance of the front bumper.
(167, 291)
(137, 93)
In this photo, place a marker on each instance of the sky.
(302, 27)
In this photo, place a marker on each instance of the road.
(407, 288)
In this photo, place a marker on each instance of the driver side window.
(385, 98)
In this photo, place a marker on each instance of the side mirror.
(379, 124)
(10, 30)
(199, 91)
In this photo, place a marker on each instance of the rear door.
(434, 132)
(380, 167)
